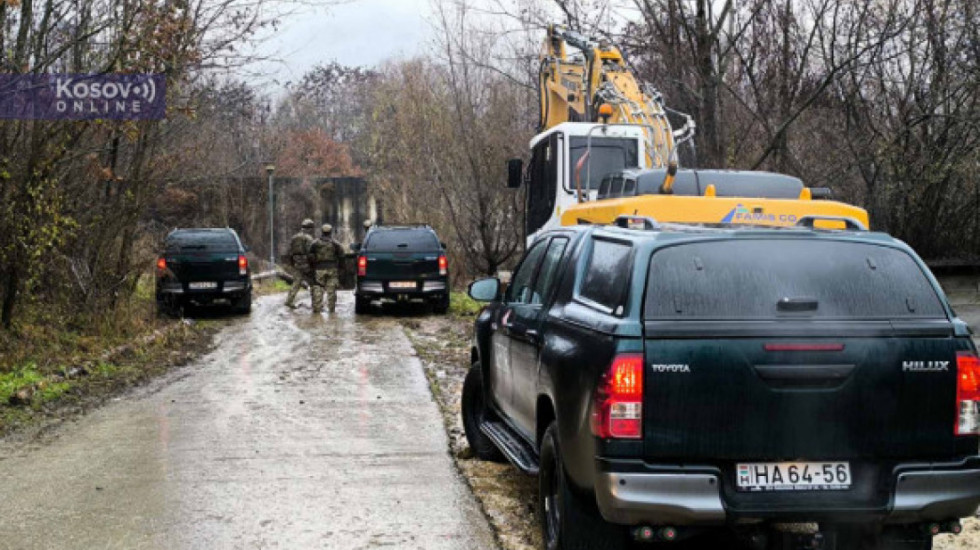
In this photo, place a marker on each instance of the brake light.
(161, 264)
(242, 265)
(443, 265)
(617, 411)
(967, 394)
(803, 347)
(361, 266)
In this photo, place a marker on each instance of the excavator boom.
(573, 88)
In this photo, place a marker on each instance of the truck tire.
(361, 305)
(474, 410)
(243, 305)
(570, 521)
(441, 306)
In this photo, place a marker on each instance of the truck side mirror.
(355, 247)
(485, 290)
(515, 173)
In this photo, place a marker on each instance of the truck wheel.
(569, 521)
(243, 305)
(170, 306)
(441, 306)
(361, 305)
(474, 411)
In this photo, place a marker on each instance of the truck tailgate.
(798, 347)
(204, 266)
(800, 398)
(402, 265)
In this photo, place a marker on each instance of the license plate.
(202, 285)
(793, 476)
(402, 284)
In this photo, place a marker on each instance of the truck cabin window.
(607, 275)
(607, 155)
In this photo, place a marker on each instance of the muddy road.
(295, 432)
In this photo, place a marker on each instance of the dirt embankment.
(507, 496)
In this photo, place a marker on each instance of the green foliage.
(22, 377)
(461, 305)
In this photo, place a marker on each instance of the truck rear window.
(215, 241)
(402, 239)
(747, 280)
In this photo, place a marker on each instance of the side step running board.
(518, 452)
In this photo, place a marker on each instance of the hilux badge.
(925, 366)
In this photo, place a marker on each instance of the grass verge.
(54, 364)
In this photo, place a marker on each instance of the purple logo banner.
(83, 96)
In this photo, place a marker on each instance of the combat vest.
(326, 254)
(299, 251)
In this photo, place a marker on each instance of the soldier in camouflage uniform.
(300, 259)
(327, 254)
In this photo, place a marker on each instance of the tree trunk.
(9, 296)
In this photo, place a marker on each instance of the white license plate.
(202, 285)
(402, 284)
(793, 476)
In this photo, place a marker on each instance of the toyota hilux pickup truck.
(402, 262)
(777, 388)
(203, 266)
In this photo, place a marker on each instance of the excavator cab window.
(606, 155)
(616, 188)
(629, 187)
(542, 187)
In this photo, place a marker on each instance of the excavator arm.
(573, 88)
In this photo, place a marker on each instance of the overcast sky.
(362, 32)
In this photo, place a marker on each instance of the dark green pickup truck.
(402, 263)
(776, 389)
(203, 267)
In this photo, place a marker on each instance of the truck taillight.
(161, 264)
(361, 266)
(967, 393)
(242, 265)
(617, 411)
(443, 265)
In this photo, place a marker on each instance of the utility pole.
(270, 168)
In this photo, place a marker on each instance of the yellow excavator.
(606, 149)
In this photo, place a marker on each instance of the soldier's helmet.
(308, 224)
(326, 228)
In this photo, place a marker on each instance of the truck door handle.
(519, 330)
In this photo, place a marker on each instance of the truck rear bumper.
(674, 499)
(382, 288)
(935, 495)
(923, 493)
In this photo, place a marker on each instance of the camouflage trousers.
(298, 279)
(326, 281)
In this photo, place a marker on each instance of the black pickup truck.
(401, 262)
(778, 388)
(203, 266)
